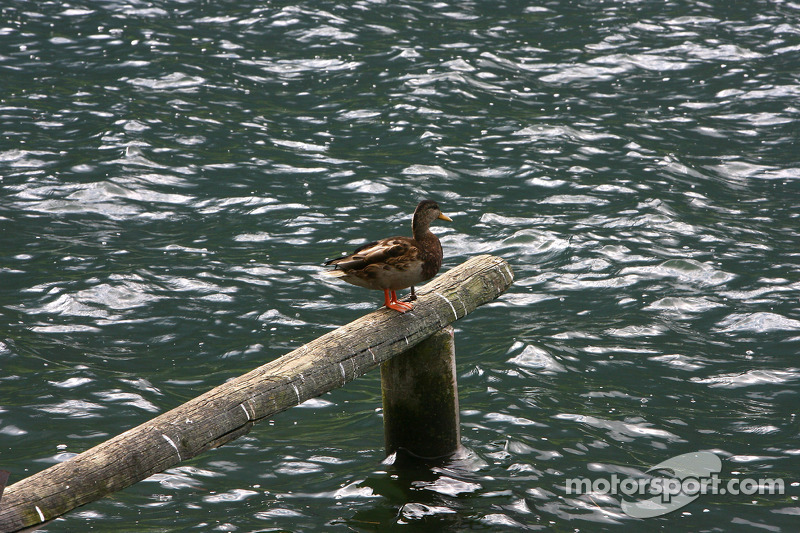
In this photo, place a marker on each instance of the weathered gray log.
(230, 410)
(420, 399)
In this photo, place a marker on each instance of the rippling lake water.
(173, 174)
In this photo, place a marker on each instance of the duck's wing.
(382, 251)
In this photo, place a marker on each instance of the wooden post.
(230, 410)
(420, 399)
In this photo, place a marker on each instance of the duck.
(396, 263)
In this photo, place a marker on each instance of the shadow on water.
(424, 494)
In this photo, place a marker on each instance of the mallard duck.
(396, 263)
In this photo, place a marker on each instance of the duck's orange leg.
(390, 301)
(407, 305)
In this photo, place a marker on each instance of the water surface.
(173, 173)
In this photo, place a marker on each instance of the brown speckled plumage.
(396, 263)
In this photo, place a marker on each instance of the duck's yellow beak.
(444, 217)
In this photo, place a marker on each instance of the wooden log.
(420, 399)
(230, 410)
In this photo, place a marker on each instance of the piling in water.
(420, 399)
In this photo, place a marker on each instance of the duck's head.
(426, 212)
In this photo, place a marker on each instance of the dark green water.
(173, 174)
